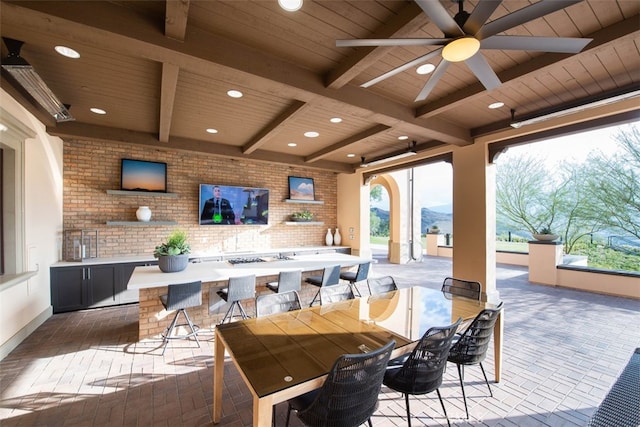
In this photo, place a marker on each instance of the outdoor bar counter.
(151, 283)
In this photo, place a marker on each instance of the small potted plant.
(173, 255)
(545, 234)
(434, 229)
(302, 216)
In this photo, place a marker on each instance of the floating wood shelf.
(309, 202)
(304, 223)
(138, 223)
(141, 193)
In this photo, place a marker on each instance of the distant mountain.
(429, 217)
(448, 208)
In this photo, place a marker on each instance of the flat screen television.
(142, 175)
(230, 205)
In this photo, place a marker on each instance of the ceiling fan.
(465, 34)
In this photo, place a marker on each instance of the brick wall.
(92, 168)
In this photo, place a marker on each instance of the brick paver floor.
(563, 350)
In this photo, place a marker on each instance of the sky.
(434, 182)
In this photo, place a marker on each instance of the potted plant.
(545, 234)
(302, 216)
(173, 255)
(434, 229)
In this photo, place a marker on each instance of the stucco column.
(474, 218)
(353, 213)
(543, 259)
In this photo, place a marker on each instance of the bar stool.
(239, 288)
(330, 276)
(180, 297)
(287, 281)
(358, 276)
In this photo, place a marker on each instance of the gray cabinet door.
(101, 280)
(69, 289)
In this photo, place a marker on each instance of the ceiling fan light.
(461, 49)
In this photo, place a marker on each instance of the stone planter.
(546, 237)
(173, 263)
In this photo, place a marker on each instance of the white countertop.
(214, 271)
(204, 256)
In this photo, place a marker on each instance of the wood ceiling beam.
(167, 99)
(408, 20)
(177, 12)
(104, 26)
(175, 27)
(320, 154)
(272, 128)
(108, 134)
(610, 34)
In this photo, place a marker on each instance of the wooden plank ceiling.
(161, 70)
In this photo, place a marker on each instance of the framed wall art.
(301, 188)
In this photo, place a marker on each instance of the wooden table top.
(280, 351)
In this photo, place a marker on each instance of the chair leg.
(406, 400)
(464, 397)
(443, 408)
(193, 327)
(355, 289)
(315, 298)
(369, 421)
(242, 312)
(485, 379)
(230, 312)
(169, 331)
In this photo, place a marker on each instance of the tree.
(526, 195)
(576, 204)
(614, 183)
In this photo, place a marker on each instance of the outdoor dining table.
(285, 355)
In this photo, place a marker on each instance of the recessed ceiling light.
(292, 144)
(212, 130)
(234, 93)
(290, 5)
(97, 110)
(425, 69)
(496, 105)
(403, 137)
(351, 155)
(335, 120)
(3, 128)
(311, 134)
(67, 51)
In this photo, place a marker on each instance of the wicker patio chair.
(471, 346)
(349, 395)
(422, 371)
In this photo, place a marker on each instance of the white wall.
(25, 305)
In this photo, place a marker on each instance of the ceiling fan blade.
(433, 80)
(522, 16)
(480, 67)
(540, 44)
(391, 42)
(479, 16)
(417, 61)
(440, 16)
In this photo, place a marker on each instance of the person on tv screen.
(218, 209)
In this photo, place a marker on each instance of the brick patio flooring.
(563, 350)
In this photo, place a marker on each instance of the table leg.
(262, 411)
(497, 345)
(218, 377)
